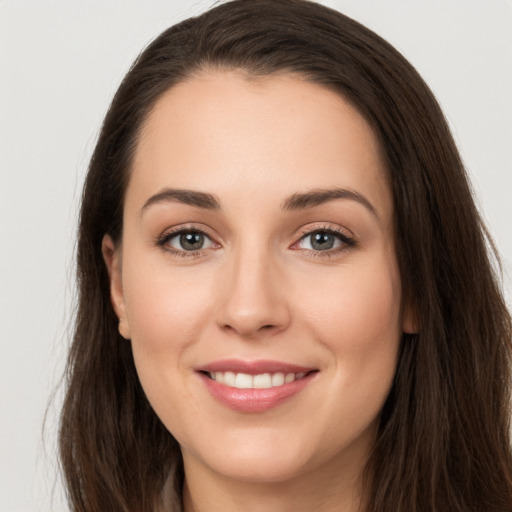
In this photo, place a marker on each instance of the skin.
(259, 290)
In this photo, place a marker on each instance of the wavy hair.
(443, 441)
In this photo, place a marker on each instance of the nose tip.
(254, 302)
(250, 324)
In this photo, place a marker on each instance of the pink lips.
(254, 400)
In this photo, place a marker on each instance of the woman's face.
(257, 277)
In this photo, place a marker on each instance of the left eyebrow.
(319, 196)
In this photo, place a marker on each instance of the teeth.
(290, 377)
(229, 378)
(243, 381)
(261, 381)
(277, 379)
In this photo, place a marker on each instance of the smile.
(260, 381)
(254, 387)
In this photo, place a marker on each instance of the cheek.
(166, 309)
(356, 308)
(167, 312)
(358, 322)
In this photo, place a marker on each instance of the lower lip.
(255, 400)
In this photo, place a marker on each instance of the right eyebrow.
(191, 197)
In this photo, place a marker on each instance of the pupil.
(322, 241)
(192, 241)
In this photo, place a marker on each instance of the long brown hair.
(443, 441)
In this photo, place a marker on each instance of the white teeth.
(243, 381)
(229, 379)
(260, 381)
(278, 379)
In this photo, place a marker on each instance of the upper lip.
(253, 367)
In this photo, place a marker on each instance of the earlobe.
(112, 258)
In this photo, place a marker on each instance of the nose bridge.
(254, 300)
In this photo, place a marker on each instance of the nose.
(254, 301)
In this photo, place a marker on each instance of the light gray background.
(60, 63)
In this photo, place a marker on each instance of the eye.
(323, 240)
(186, 241)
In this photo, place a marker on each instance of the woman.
(278, 305)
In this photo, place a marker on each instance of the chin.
(257, 458)
(258, 469)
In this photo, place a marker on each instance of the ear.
(410, 320)
(112, 258)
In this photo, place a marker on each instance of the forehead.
(221, 131)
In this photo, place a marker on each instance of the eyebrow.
(297, 201)
(190, 197)
(319, 196)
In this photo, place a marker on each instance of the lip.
(254, 400)
(253, 367)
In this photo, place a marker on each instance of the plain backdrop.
(60, 63)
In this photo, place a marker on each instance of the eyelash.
(163, 241)
(346, 241)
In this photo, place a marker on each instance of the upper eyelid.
(303, 231)
(348, 240)
(169, 234)
(186, 229)
(337, 230)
